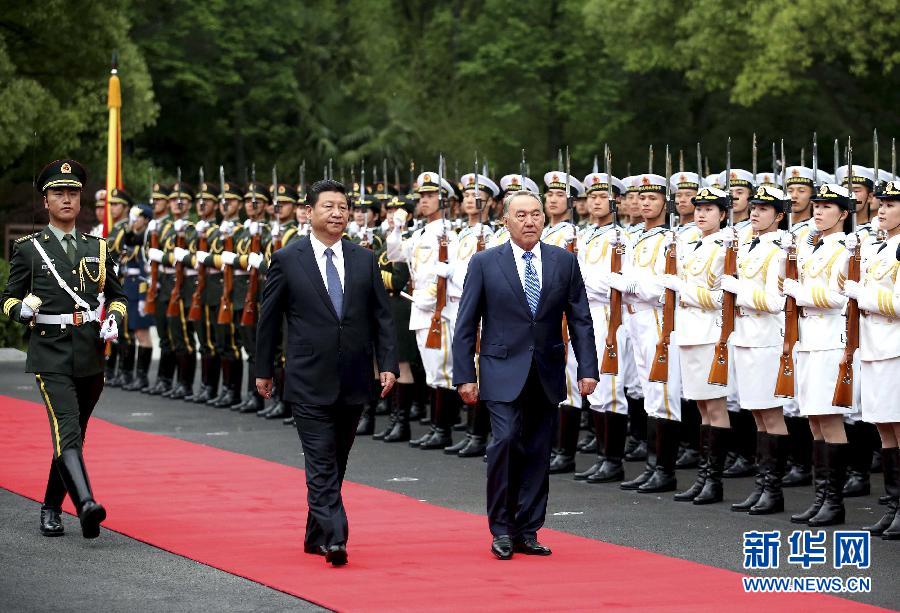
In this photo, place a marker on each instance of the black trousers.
(518, 460)
(326, 433)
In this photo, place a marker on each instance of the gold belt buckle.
(77, 318)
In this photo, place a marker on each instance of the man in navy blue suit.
(519, 292)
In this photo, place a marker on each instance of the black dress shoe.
(476, 447)
(639, 453)
(609, 472)
(590, 471)
(289, 421)
(51, 522)
(336, 555)
(459, 446)
(91, 516)
(562, 463)
(279, 411)
(502, 547)
(531, 547)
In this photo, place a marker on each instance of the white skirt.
(756, 371)
(816, 375)
(880, 382)
(696, 361)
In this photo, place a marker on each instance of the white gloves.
(142, 307)
(254, 260)
(179, 225)
(228, 258)
(226, 227)
(867, 300)
(617, 280)
(729, 238)
(25, 312)
(442, 269)
(791, 287)
(852, 289)
(850, 242)
(155, 255)
(202, 226)
(151, 225)
(253, 227)
(201, 256)
(672, 282)
(109, 331)
(181, 254)
(730, 284)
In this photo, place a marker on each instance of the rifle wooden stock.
(433, 341)
(248, 317)
(175, 302)
(226, 314)
(610, 363)
(843, 388)
(153, 286)
(718, 371)
(659, 370)
(784, 386)
(196, 310)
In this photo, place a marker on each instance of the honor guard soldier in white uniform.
(685, 186)
(742, 188)
(421, 251)
(642, 289)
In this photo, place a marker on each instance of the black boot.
(144, 356)
(51, 522)
(475, 448)
(690, 436)
(164, 372)
(444, 416)
(226, 383)
(481, 429)
(126, 365)
(569, 423)
(233, 376)
(280, 409)
(774, 455)
(636, 441)
(612, 470)
(832, 512)
(718, 439)
(209, 374)
(891, 472)
(745, 439)
(819, 483)
(758, 484)
(179, 390)
(435, 401)
(255, 403)
(109, 371)
(366, 425)
(650, 466)
(189, 376)
(400, 429)
(51, 510)
(800, 473)
(859, 437)
(696, 487)
(72, 470)
(463, 442)
(663, 478)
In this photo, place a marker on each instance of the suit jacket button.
(531, 348)
(43, 332)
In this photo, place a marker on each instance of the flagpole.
(114, 142)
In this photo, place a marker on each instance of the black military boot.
(611, 470)
(650, 466)
(891, 473)
(859, 437)
(109, 370)
(696, 487)
(563, 460)
(72, 470)
(237, 381)
(209, 372)
(164, 374)
(51, 522)
(225, 363)
(597, 420)
(444, 418)
(819, 483)
(142, 367)
(435, 401)
(179, 390)
(692, 452)
(51, 509)
(255, 402)
(663, 478)
(758, 484)
(636, 441)
(464, 441)
(800, 472)
(232, 384)
(403, 398)
(832, 512)
(718, 441)
(744, 437)
(366, 425)
(190, 376)
(773, 455)
(394, 404)
(126, 365)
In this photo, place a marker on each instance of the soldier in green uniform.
(161, 224)
(123, 350)
(59, 283)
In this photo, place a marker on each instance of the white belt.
(133, 272)
(240, 273)
(638, 307)
(69, 319)
(168, 271)
(817, 312)
(878, 317)
(190, 273)
(213, 271)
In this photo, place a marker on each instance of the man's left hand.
(387, 382)
(264, 387)
(586, 386)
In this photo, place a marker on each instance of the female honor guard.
(758, 339)
(59, 282)
(878, 296)
(700, 269)
(135, 286)
(822, 272)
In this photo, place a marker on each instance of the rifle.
(784, 385)
(153, 286)
(276, 208)
(248, 316)
(843, 388)
(659, 370)
(718, 371)
(433, 341)
(226, 311)
(175, 302)
(610, 363)
(479, 205)
(194, 313)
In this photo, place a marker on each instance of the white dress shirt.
(520, 261)
(319, 253)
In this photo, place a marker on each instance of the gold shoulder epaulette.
(99, 238)
(26, 238)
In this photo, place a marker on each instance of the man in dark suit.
(338, 316)
(519, 292)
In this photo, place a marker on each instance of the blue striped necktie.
(532, 283)
(335, 291)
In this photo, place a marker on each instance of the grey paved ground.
(710, 535)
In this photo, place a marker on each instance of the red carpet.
(227, 504)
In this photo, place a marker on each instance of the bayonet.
(700, 179)
(478, 201)
(178, 195)
(815, 160)
(253, 185)
(570, 198)
(680, 160)
(875, 159)
(385, 178)
(755, 182)
(670, 200)
(650, 161)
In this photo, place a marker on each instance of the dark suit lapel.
(548, 273)
(508, 266)
(309, 265)
(349, 250)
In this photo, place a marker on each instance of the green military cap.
(232, 190)
(160, 191)
(120, 196)
(286, 193)
(301, 194)
(181, 190)
(257, 189)
(62, 173)
(207, 190)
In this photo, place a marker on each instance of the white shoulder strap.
(78, 299)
